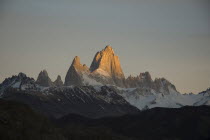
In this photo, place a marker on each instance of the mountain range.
(99, 91)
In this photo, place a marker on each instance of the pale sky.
(168, 38)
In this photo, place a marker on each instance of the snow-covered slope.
(20, 82)
(143, 98)
(202, 98)
(90, 101)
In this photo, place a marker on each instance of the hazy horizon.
(168, 38)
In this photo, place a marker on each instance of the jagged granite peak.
(58, 82)
(44, 80)
(145, 76)
(20, 82)
(22, 75)
(74, 74)
(146, 80)
(107, 63)
(78, 66)
(132, 81)
(162, 85)
(143, 80)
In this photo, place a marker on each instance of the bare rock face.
(58, 82)
(146, 80)
(107, 64)
(44, 80)
(106, 69)
(143, 80)
(20, 81)
(74, 74)
(162, 85)
(132, 81)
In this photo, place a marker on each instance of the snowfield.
(140, 97)
(142, 100)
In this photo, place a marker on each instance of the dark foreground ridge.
(84, 100)
(19, 122)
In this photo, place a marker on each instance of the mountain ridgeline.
(99, 103)
(106, 69)
(99, 91)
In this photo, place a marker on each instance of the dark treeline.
(19, 122)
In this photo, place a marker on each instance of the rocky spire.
(109, 63)
(78, 66)
(132, 81)
(58, 82)
(22, 75)
(144, 80)
(74, 74)
(162, 85)
(20, 81)
(145, 76)
(43, 79)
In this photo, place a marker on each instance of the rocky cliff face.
(44, 80)
(107, 64)
(161, 85)
(58, 82)
(75, 72)
(20, 82)
(105, 69)
(144, 81)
